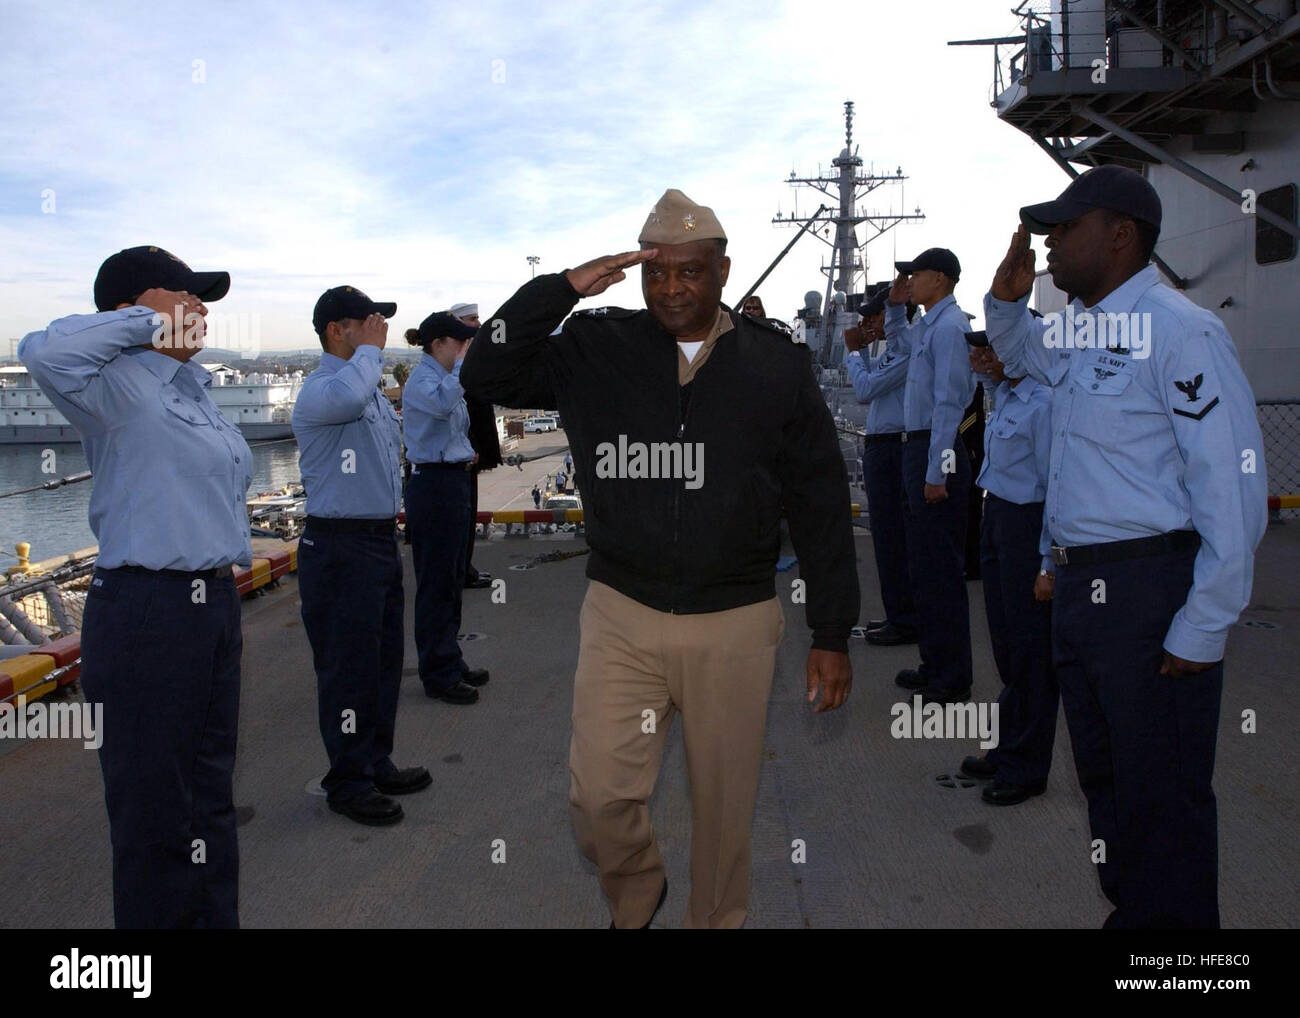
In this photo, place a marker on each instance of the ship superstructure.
(260, 404)
(1204, 98)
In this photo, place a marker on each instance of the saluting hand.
(181, 322)
(1015, 276)
(599, 274)
(373, 331)
(901, 290)
(829, 671)
(854, 337)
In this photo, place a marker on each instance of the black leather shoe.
(889, 635)
(480, 581)
(929, 695)
(476, 677)
(662, 895)
(461, 692)
(404, 782)
(1002, 794)
(370, 808)
(978, 767)
(909, 678)
(876, 624)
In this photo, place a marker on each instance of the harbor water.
(55, 522)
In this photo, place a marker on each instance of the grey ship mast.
(846, 185)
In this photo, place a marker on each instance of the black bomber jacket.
(760, 436)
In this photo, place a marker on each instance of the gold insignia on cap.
(676, 219)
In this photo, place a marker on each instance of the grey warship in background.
(1204, 99)
(822, 320)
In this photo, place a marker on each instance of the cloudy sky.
(421, 151)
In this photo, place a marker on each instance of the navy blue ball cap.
(443, 325)
(980, 338)
(130, 272)
(344, 302)
(874, 306)
(1115, 188)
(938, 258)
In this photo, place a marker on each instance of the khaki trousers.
(635, 664)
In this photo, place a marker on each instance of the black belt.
(219, 573)
(462, 466)
(912, 436)
(332, 525)
(893, 436)
(1115, 551)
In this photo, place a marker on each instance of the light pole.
(533, 260)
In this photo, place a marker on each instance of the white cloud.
(333, 144)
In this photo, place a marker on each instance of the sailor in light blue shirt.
(349, 565)
(936, 470)
(1017, 591)
(880, 382)
(1134, 455)
(170, 472)
(435, 421)
(939, 379)
(438, 499)
(349, 440)
(160, 634)
(1156, 500)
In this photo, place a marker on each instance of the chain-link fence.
(1280, 423)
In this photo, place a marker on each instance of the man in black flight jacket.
(691, 428)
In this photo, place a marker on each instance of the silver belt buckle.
(1060, 555)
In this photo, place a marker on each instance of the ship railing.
(34, 609)
(1092, 33)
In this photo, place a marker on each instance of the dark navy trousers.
(352, 606)
(472, 526)
(1143, 742)
(882, 472)
(161, 652)
(936, 557)
(1020, 630)
(437, 518)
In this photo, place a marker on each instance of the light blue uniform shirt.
(1018, 449)
(939, 379)
(171, 472)
(349, 441)
(1018, 442)
(880, 383)
(435, 421)
(1142, 445)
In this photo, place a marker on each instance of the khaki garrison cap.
(676, 219)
